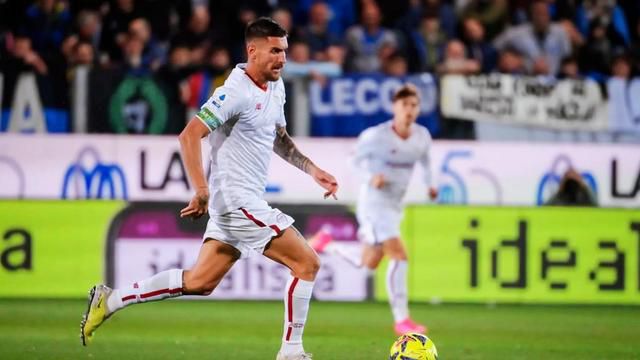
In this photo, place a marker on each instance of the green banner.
(53, 248)
(545, 255)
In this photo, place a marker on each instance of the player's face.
(406, 109)
(269, 55)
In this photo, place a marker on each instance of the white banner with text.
(526, 101)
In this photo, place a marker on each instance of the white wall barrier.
(149, 168)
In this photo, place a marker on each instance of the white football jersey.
(380, 150)
(244, 117)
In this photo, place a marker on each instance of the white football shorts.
(249, 228)
(378, 225)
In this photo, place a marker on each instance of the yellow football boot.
(97, 312)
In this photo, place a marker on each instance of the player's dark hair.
(405, 91)
(263, 27)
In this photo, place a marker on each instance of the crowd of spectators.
(565, 38)
(186, 41)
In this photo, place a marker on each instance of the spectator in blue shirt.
(46, 24)
(430, 41)
(366, 40)
(542, 44)
(608, 14)
(317, 34)
(412, 18)
(154, 53)
(342, 14)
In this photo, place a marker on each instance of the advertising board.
(149, 168)
(146, 238)
(540, 255)
(53, 248)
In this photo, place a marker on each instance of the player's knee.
(396, 252)
(314, 265)
(308, 269)
(371, 263)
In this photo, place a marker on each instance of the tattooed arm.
(284, 146)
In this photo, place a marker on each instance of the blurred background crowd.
(177, 39)
(566, 38)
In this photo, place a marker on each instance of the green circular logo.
(138, 106)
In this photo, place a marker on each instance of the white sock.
(296, 306)
(160, 286)
(354, 259)
(397, 289)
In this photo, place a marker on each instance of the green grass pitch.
(48, 329)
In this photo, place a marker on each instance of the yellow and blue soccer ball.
(413, 347)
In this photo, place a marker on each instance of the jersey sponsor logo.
(219, 104)
(209, 118)
(401, 165)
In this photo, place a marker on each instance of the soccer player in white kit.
(385, 156)
(244, 121)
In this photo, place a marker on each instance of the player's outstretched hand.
(433, 193)
(378, 181)
(197, 206)
(327, 181)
